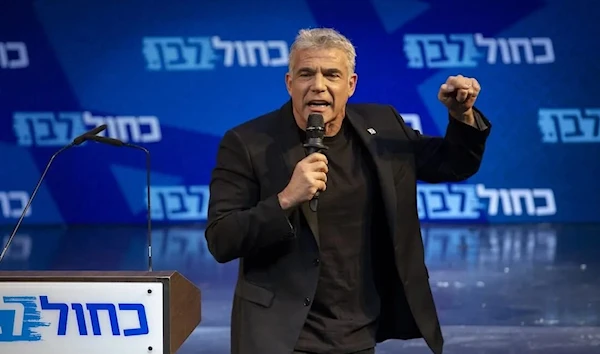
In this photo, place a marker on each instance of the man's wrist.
(284, 201)
(467, 117)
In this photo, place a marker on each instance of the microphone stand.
(119, 143)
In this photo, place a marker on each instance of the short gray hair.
(323, 38)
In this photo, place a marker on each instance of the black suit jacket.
(277, 273)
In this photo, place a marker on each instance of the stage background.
(175, 76)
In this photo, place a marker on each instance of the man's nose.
(319, 83)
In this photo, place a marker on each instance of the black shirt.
(343, 314)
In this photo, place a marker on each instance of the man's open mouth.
(318, 103)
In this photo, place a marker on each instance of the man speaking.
(349, 274)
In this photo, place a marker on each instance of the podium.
(75, 312)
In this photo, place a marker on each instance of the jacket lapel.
(368, 135)
(292, 150)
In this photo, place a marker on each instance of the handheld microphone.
(77, 141)
(315, 131)
(119, 143)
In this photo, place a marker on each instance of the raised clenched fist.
(458, 94)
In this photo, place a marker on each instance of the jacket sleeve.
(239, 223)
(454, 157)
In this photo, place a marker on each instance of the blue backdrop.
(174, 77)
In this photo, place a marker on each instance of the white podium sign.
(81, 317)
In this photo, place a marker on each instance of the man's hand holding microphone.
(309, 176)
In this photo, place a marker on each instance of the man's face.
(320, 82)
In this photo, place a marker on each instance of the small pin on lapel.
(371, 131)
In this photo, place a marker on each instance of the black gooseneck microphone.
(119, 143)
(77, 141)
(315, 131)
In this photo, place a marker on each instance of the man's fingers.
(320, 176)
(459, 89)
(462, 95)
(476, 86)
(322, 186)
(447, 88)
(460, 92)
(317, 186)
(316, 156)
(459, 82)
(319, 166)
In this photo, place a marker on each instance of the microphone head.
(99, 129)
(83, 137)
(315, 126)
(105, 140)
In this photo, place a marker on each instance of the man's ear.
(352, 84)
(288, 83)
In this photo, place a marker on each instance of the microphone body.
(315, 131)
(119, 143)
(77, 141)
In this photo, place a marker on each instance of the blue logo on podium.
(20, 316)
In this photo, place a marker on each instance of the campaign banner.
(175, 79)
